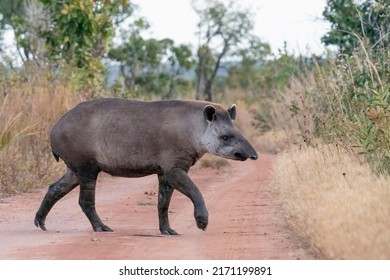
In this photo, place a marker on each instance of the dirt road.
(244, 221)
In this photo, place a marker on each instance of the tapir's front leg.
(165, 192)
(179, 179)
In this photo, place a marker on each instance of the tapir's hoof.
(102, 228)
(168, 231)
(39, 223)
(201, 222)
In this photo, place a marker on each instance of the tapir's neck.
(201, 142)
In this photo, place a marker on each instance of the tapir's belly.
(130, 167)
(131, 171)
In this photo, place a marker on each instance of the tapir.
(133, 139)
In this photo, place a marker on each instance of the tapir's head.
(222, 138)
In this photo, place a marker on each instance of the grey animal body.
(134, 139)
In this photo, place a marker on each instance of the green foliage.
(269, 72)
(264, 82)
(26, 19)
(10, 9)
(80, 33)
(352, 104)
(359, 113)
(346, 101)
(148, 65)
(179, 60)
(351, 21)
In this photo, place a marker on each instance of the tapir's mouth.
(242, 156)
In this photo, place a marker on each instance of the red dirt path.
(244, 221)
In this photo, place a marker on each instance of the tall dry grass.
(30, 103)
(334, 202)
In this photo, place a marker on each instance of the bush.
(345, 101)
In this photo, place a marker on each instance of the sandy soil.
(244, 221)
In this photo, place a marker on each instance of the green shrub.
(343, 100)
(354, 109)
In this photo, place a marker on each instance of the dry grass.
(28, 108)
(210, 161)
(273, 141)
(335, 203)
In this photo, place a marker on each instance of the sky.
(297, 22)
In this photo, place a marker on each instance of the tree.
(179, 60)
(73, 33)
(246, 74)
(26, 18)
(81, 29)
(352, 22)
(78, 34)
(223, 29)
(135, 54)
(150, 64)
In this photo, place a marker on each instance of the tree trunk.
(200, 76)
(208, 93)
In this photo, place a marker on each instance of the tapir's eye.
(225, 137)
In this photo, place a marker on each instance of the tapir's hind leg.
(56, 191)
(87, 203)
(164, 198)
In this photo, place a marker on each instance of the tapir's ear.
(232, 111)
(209, 113)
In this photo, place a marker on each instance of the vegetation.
(331, 116)
(334, 202)
(353, 22)
(228, 28)
(342, 99)
(141, 63)
(30, 102)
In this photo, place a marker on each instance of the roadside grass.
(333, 176)
(29, 105)
(344, 101)
(273, 141)
(213, 162)
(334, 202)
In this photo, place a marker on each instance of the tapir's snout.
(249, 152)
(242, 157)
(254, 157)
